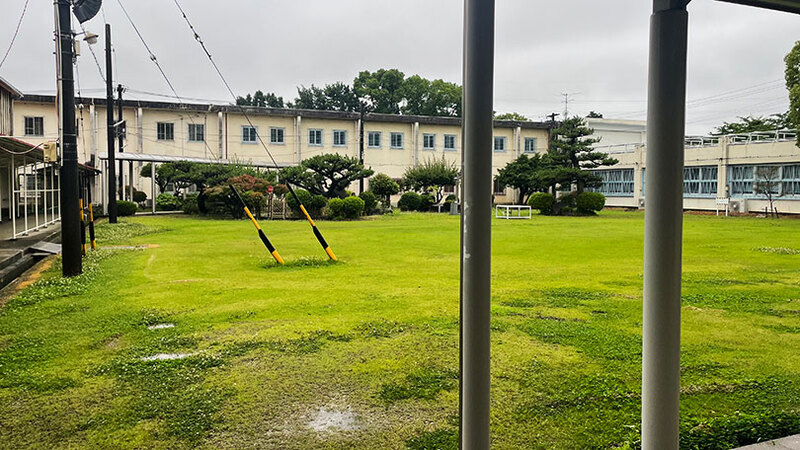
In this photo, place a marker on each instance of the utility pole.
(111, 170)
(70, 214)
(120, 137)
(361, 147)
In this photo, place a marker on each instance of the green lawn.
(373, 339)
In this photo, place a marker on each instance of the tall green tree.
(511, 116)
(431, 177)
(528, 174)
(793, 85)
(430, 98)
(261, 99)
(384, 187)
(382, 90)
(572, 155)
(328, 175)
(752, 124)
(331, 97)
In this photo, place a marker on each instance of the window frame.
(497, 139)
(202, 127)
(318, 132)
(432, 137)
(616, 182)
(402, 137)
(528, 149)
(344, 141)
(168, 134)
(34, 120)
(272, 135)
(370, 134)
(251, 139)
(453, 137)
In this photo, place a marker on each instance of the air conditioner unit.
(641, 202)
(739, 206)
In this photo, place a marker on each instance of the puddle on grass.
(333, 419)
(167, 356)
(161, 326)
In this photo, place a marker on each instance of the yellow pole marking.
(277, 257)
(252, 219)
(330, 253)
(308, 216)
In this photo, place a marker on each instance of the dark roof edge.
(286, 112)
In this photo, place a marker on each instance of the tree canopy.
(572, 154)
(511, 116)
(328, 175)
(528, 174)
(752, 124)
(260, 99)
(383, 186)
(331, 97)
(793, 85)
(431, 177)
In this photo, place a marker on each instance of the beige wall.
(142, 137)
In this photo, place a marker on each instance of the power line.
(161, 70)
(14, 38)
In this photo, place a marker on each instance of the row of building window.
(702, 181)
(500, 144)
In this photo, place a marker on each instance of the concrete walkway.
(787, 443)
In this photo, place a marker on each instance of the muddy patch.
(167, 356)
(333, 419)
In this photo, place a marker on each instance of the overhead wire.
(16, 32)
(161, 70)
(199, 40)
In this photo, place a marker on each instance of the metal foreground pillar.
(70, 220)
(476, 222)
(661, 325)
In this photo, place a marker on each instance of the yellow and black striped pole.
(92, 242)
(261, 234)
(83, 227)
(317, 233)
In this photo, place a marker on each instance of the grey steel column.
(110, 202)
(153, 184)
(476, 222)
(666, 117)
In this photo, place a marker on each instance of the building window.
(276, 135)
(34, 126)
(314, 136)
(165, 131)
(428, 141)
(249, 134)
(197, 132)
(499, 144)
(782, 180)
(790, 184)
(530, 145)
(374, 139)
(450, 189)
(339, 138)
(499, 189)
(397, 140)
(700, 181)
(615, 182)
(450, 142)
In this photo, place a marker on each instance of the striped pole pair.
(261, 234)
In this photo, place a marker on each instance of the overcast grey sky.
(594, 50)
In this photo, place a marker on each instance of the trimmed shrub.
(370, 202)
(409, 201)
(139, 196)
(190, 204)
(125, 208)
(589, 202)
(425, 203)
(346, 208)
(542, 201)
(304, 197)
(167, 202)
(353, 207)
(316, 204)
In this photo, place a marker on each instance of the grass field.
(364, 353)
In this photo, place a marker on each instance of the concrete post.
(476, 222)
(666, 117)
(153, 185)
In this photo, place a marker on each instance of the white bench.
(512, 212)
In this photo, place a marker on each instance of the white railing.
(616, 148)
(35, 200)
